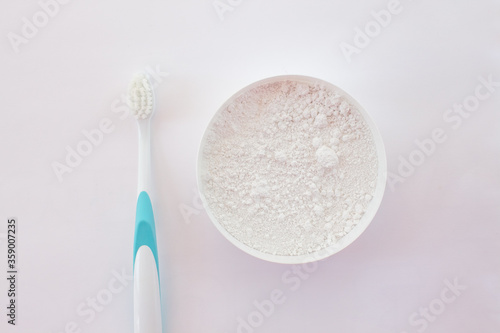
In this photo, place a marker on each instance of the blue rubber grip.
(145, 232)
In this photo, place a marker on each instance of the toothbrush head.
(140, 96)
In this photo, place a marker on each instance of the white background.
(442, 223)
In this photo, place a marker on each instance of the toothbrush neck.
(144, 174)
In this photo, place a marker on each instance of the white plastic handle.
(147, 305)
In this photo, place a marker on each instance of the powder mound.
(327, 157)
(289, 167)
(320, 120)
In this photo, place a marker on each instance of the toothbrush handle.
(147, 303)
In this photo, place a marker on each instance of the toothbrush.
(147, 304)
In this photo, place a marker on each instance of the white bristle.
(140, 96)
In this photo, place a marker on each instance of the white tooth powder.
(288, 167)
